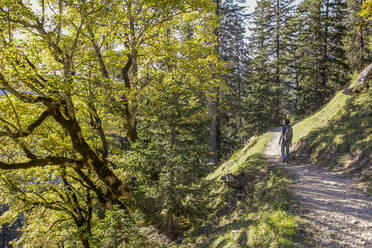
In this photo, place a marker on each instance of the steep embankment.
(339, 137)
(336, 211)
(333, 153)
(263, 214)
(258, 215)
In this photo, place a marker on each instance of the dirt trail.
(338, 214)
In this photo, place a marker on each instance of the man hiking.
(285, 140)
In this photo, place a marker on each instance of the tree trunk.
(277, 69)
(85, 242)
(360, 82)
(131, 131)
(323, 66)
(170, 226)
(213, 146)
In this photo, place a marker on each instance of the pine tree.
(270, 40)
(261, 101)
(323, 65)
(235, 51)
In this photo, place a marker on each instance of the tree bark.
(277, 69)
(129, 116)
(213, 146)
(360, 82)
(85, 242)
(323, 66)
(170, 226)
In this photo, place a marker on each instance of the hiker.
(285, 140)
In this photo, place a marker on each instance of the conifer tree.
(270, 39)
(261, 84)
(323, 66)
(234, 50)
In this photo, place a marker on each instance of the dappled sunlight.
(333, 205)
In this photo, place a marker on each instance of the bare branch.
(71, 193)
(43, 12)
(28, 153)
(98, 53)
(78, 32)
(8, 123)
(99, 193)
(59, 25)
(80, 181)
(59, 193)
(35, 70)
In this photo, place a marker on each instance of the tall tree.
(214, 98)
(235, 51)
(261, 105)
(322, 67)
(270, 40)
(73, 72)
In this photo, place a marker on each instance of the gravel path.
(338, 214)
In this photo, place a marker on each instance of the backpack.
(288, 133)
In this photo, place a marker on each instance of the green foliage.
(366, 13)
(234, 113)
(273, 229)
(108, 103)
(321, 66)
(321, 118)
(79, 80)
(366, 10)
(117, 230)
(55, 207)
(358, 32)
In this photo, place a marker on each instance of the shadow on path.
(336, 210)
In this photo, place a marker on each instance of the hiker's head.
(287, 121)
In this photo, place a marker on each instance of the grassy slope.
(339, 136)
(256, 217)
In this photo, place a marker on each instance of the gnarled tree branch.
(97, 125)
(30, 128)
(40, 162)
(27, 98)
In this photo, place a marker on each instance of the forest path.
(338, 214)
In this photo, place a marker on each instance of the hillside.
(338, 136)
(257, 216)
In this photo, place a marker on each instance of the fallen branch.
(361, 82)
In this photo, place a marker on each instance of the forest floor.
(334, 210)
